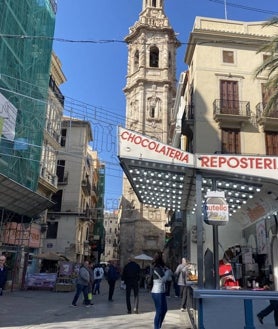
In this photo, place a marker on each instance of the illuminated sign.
(216, 208)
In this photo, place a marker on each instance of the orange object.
(226, 275)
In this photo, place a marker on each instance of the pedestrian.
(168, 282)
(181, 273)
(158, 290)
(91, 283)
(82, 284)
(112, 277)
(131, 278)
(3, 273)
(98, 276)
(272, 307)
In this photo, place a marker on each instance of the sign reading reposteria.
(135, 145)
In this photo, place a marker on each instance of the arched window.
(154, 56)
(136, 60)
(169, 59)
(154, 108)
(154, 3)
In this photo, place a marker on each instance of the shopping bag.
(90, 296)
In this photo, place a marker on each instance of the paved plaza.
(33, 309)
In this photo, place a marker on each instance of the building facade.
(27, 29)
(71, 220)
(221, 110)
(150, 89)
(111, 226)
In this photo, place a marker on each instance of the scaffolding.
(27, 29)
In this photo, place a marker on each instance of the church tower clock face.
(150, 90)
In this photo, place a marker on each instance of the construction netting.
(26, 36)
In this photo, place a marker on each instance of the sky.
(89, 40)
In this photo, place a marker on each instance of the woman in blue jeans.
(158, 290)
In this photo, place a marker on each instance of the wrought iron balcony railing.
(231, 108)
(261, 111)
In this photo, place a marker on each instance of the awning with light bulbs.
(163, 176)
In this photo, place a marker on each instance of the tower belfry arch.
(150, 90)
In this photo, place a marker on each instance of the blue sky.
(96, 69)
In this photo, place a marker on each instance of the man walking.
(82, 284)
(131, 278)
(181, 273)
(3, 273)
(112, 277)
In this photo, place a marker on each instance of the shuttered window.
(271, 142)
(230, 141)
(229, 97)
(228, 56)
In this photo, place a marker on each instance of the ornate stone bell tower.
(150, 90)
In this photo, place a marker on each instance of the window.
(57, 199)
(230, 141)
(154, 56)
(136, 60)
(154, 3)
(154, 108)
(60, 171)
(228, 56)
(169, 59)
(52, 230)
(63, 137)
(271, 142)
(229, 98)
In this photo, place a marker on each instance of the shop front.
(20, 236)
(239, 221)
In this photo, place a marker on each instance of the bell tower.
(150, 90)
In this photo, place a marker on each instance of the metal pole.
(215, 247)
(199, 222)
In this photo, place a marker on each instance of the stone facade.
(150, 89)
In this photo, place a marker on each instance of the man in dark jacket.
(3, 273)
(131, 278)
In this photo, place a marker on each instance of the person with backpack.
(112, 277)
(98, 276)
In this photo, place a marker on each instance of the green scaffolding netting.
(26, 36)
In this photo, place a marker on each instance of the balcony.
(86, 187)
(267, 119)
(231, 112)
(56, 91)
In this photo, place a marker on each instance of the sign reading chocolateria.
(135, 145)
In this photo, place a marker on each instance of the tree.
(270, 66)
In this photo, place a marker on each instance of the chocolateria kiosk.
(231, 193)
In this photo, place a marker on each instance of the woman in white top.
(158, 290)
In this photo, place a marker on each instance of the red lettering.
(205, 161)
(152, 146)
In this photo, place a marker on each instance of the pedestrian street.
(34, 309)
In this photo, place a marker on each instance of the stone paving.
(33, 309)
